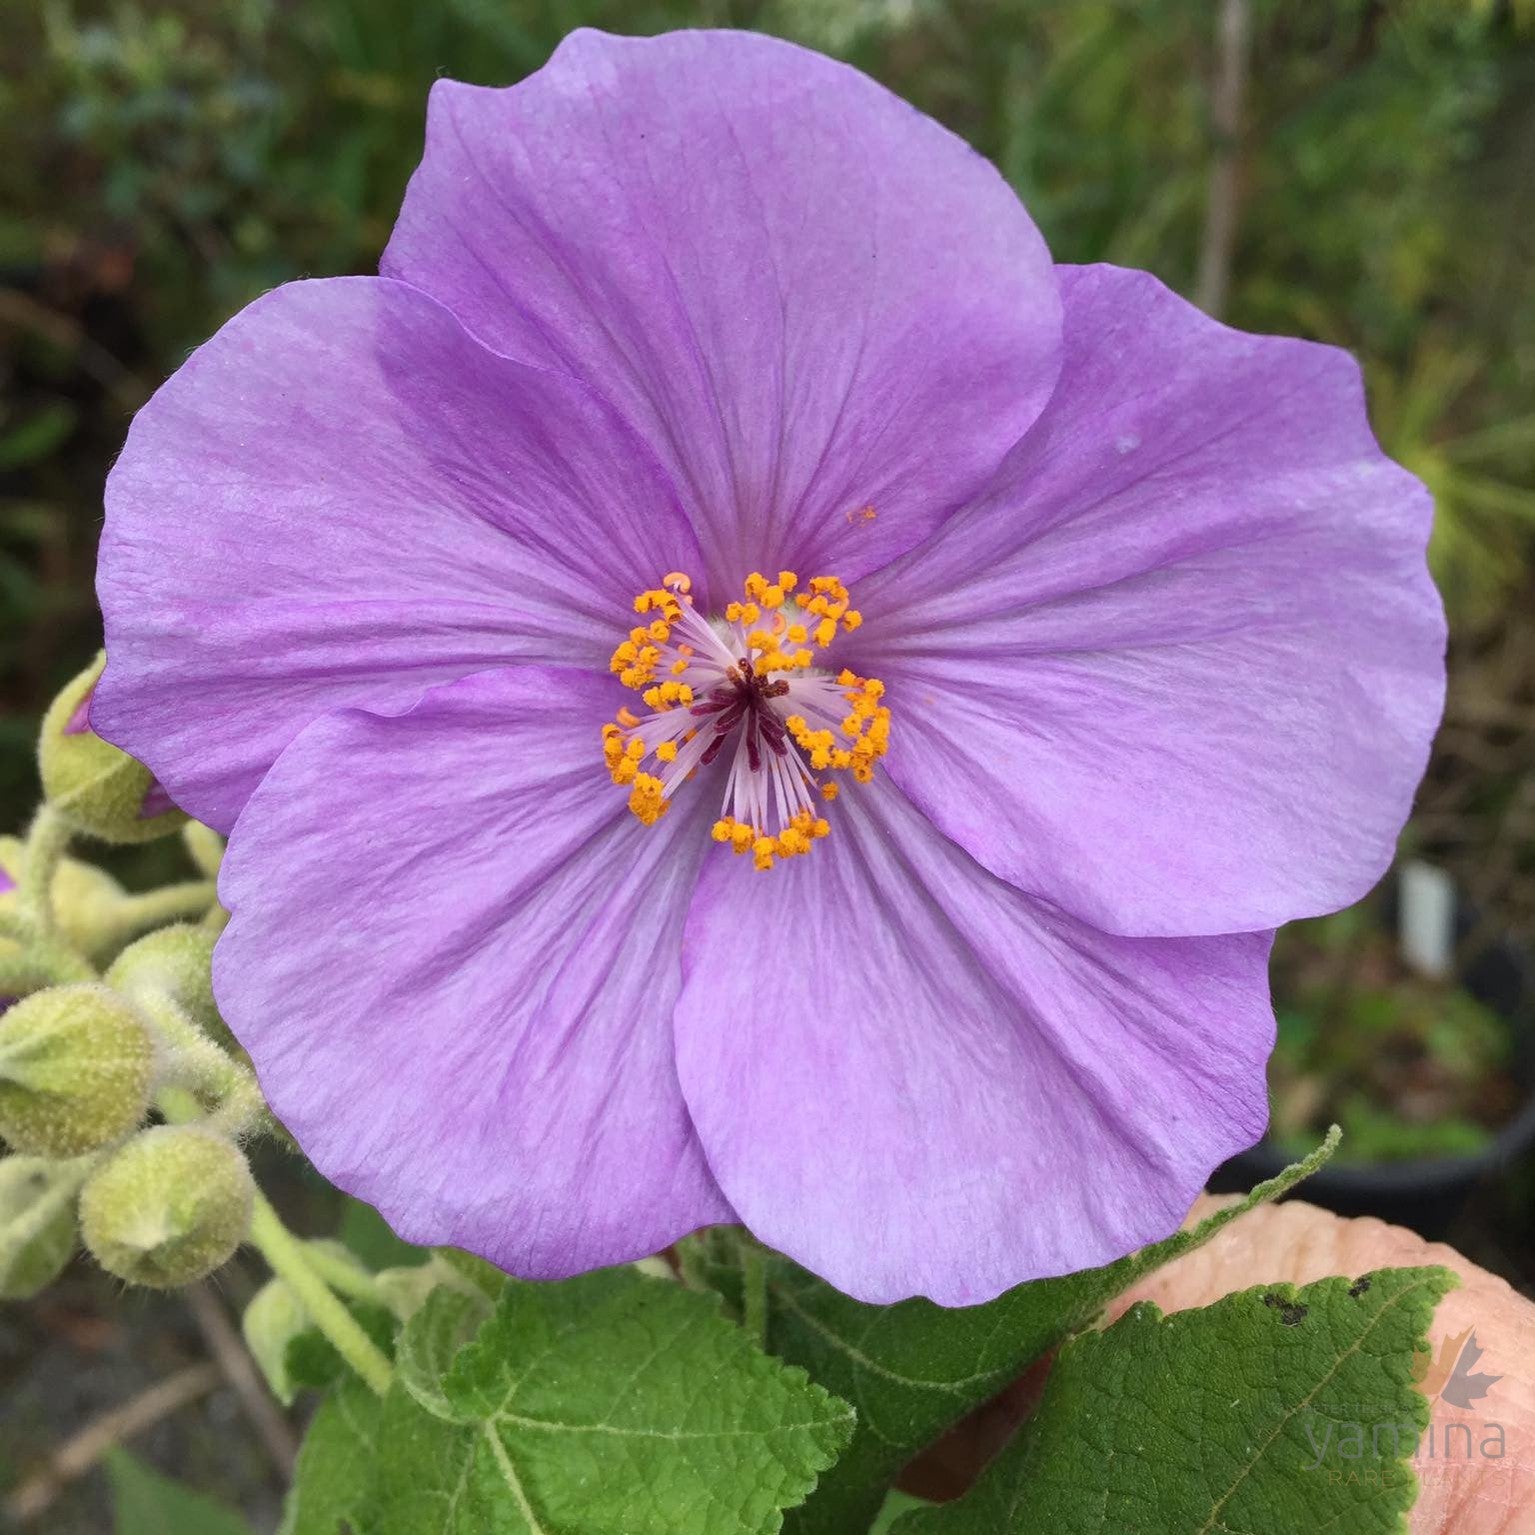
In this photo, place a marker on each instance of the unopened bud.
(175, 962)
(75, 1066)
(97, 787)
(169, 1207)
(37, 1224)
(85, 898)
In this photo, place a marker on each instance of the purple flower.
(1108, 628)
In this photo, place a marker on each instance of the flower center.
(749, 684)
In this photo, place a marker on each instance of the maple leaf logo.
(1450, 1377)
(1463, 1388)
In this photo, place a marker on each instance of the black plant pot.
(1426, 1194)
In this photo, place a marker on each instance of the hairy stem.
(47, 842)
(193, 1056)
(343, 1276)
(291, 1261)
(135, 915)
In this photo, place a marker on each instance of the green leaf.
(430, 1342)
(146, 1503)
(912, 1370)
(310, 1360)
(333, 1480)
(607, 1403)
(485, 1277)
(1247, 1415)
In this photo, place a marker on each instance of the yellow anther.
(647, 799)
(825, 632)
(852, 619)
(627, 718)
(787, 580)
(667, 751)
(798, 634)
(678, 581)
(771, 596)
(829, 792)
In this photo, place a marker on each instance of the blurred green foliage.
(165, 162)
(1409, 1065)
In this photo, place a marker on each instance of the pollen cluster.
(753, 680)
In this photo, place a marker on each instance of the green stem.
(291, 1261)
(754, 1307)
(135, 915)
(47, 842)
(342, 1275)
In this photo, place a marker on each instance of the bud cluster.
(108, 1024)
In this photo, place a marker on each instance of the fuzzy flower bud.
(37, 1224)
(100, 789)
(169, 1207)
(75, 1066)
(174, 962)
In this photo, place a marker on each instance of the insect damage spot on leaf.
(1359, 1287)
(1291, 1314)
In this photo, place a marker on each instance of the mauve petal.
(343, 498)
(453, 958)
(1179, 672)
(810, 298)
(915, 1080)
